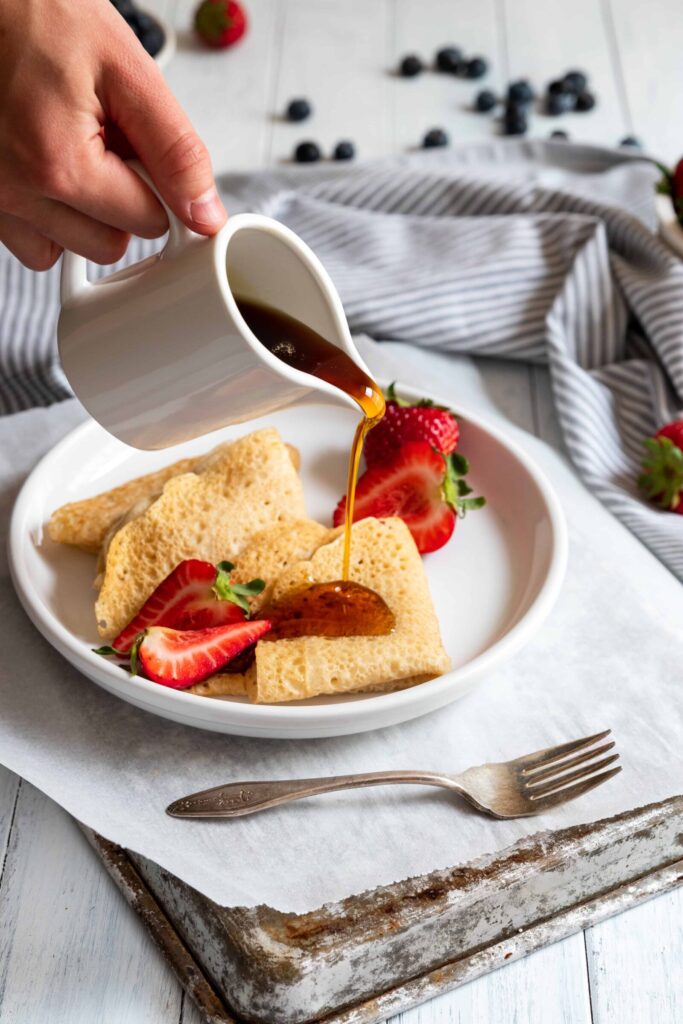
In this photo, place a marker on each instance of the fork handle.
(240, 798)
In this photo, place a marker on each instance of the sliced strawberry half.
(420, 485)
(196, 595)
(180, 658)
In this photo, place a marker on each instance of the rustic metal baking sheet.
(373, 955)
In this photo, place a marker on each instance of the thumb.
(157, 127)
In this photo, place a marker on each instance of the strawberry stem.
(134, 652)
(238, 593)
(662, 478)
(455, 488)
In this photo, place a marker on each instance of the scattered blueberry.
(298, 110)
(576, 81)
(449, 59)
(151, 36)
(344, 150)
(559, 103)
(307, 153)
(476, 67)
(410, 66)
(559, 135)
(125, 7)
(485, 101)
(585, 101)
(146, 28)
(631, 142)
(514, 122)
(435, 138)
(558, 87)
(520, 92)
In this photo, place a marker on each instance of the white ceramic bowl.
(492, 585)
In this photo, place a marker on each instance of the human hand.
(79, 93)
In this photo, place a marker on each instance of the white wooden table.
(71, 951)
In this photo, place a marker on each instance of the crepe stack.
(385, 559)
(244, 502)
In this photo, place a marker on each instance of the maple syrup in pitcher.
(340, 607)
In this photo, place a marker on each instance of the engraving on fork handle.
(238, 798)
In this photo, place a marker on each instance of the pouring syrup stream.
(302, 348)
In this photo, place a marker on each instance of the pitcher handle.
(74, 275)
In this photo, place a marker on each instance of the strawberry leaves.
(455, 488)
(662, 476)
(237, 593)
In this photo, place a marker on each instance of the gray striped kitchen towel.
(525, 249)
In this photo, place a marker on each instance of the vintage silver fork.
(510, 789)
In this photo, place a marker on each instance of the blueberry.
(575, 81)
(434, 138)
(307, 153)
(515, 122)
(585, 101)
(152, 39)
(476, 67)
(410, 66)
(485, 101)
(520, 91)
(631, 142)
(344, 150)
(298, 110)
(558, 87)
(559, 103)
(559, 135)
(449, 59)
(124, 7)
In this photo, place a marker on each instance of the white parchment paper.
(609, 655)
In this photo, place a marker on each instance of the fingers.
(143, 106)
(117, 196)
(30, 247)
(75, 231)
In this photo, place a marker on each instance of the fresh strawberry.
(180, 658)
(403, 422)
(196, 595)
(422, 486)
(671, 184)
(220, 23)
(662, 477)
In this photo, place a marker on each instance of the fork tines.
(547, 776)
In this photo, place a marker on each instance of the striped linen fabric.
(526, 250)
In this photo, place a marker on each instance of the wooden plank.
(228, 93)
(635, 963)
(546, 40)
(9, 792)
(649, 38)
(71, 950)
(548, 987)
(336, 55)
(439, 100)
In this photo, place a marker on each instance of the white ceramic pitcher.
(158, 353)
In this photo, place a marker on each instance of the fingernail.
(208, 210)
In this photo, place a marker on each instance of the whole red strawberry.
(671, 184)
(220, 23)
(662, 477)
(419, 485)
(403, 422)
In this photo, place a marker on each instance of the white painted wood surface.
(71, 952)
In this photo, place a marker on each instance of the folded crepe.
(267, 556)
(86, 524)
(383, 557)
(234, 493)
